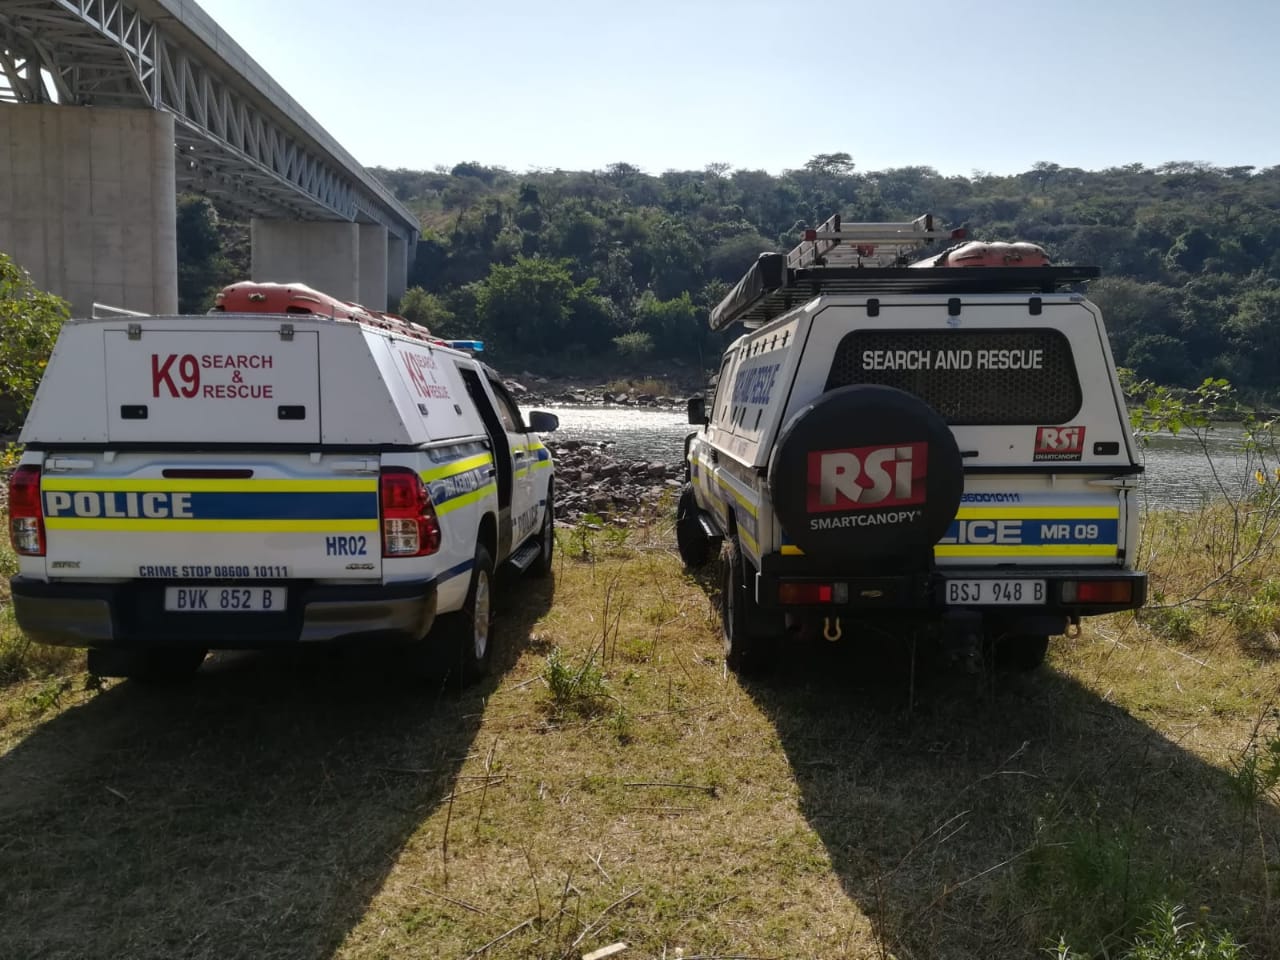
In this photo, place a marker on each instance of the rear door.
(1030, 400)
(192, 517)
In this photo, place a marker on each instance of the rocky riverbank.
(590, 480)
(666, 393)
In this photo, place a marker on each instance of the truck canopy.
(247, 379)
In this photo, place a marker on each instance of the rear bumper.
(132, 614)
(925, 593)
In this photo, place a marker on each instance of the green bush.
(634, 346)
(29, 324)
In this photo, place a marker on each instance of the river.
(1178, 472)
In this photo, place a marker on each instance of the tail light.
(812, 594)
(26, 518)
(409, 524)
(1097, 591)
(804, 593)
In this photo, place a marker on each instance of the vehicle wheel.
(546, 542)
(750, 636)
(691, 540)
(155, 666)
(1022, 652)
(466, 637)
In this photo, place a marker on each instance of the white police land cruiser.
(939, 446)
(307, 471)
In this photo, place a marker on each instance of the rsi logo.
(863, 478)
(1059, 443)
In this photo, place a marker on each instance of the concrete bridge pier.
(350, 261)
(88, 203)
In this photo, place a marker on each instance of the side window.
(724, 392)
(507, 409)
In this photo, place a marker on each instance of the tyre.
(546, 542)
(466, 637)
(866, 474)
(1020, 652)
(696, 548)
(750, 635)
(153, 666)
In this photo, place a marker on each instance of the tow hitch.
(962, 639)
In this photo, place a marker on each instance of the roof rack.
(871, 258)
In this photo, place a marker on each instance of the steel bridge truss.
(230, 147)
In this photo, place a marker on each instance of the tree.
(832, 164)
(1191, 250)
(202, 266)
(430, 311)
(30, 320)
(671, 324)
(534, 306)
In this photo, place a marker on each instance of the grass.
(612, 782)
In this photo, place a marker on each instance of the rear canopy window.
(971, 377)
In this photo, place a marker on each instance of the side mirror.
(542, 422)
(697, 410)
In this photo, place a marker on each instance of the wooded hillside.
(569, 265)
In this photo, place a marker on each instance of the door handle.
(57, 464)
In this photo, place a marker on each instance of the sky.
(764, 84)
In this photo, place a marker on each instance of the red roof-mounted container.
(297, 298)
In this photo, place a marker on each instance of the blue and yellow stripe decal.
(1024, 531)
(1032, 531)
(463, 476)
(542, 457)
(152, 505)
(746, 515)
(539, 458)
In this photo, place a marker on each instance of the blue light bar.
(476, 345)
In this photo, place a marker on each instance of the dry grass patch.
(613, 783)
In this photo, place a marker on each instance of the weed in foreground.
(576, 690)
(1175, 625)
(1167, 935)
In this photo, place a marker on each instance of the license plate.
(996, 592)
(224, 599)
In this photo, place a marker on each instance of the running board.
(524, 557)
(708, 526)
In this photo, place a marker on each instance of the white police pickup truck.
(243, 480)
(935, 448)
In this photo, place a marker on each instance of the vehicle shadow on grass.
(252, 813)
(984, 817)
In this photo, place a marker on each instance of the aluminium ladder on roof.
(870, 258)
(837, 244)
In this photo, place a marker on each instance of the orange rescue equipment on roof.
(253, 297)
(989, 253)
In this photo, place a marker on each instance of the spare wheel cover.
(866, 471)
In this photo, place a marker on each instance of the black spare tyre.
(866, 472)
